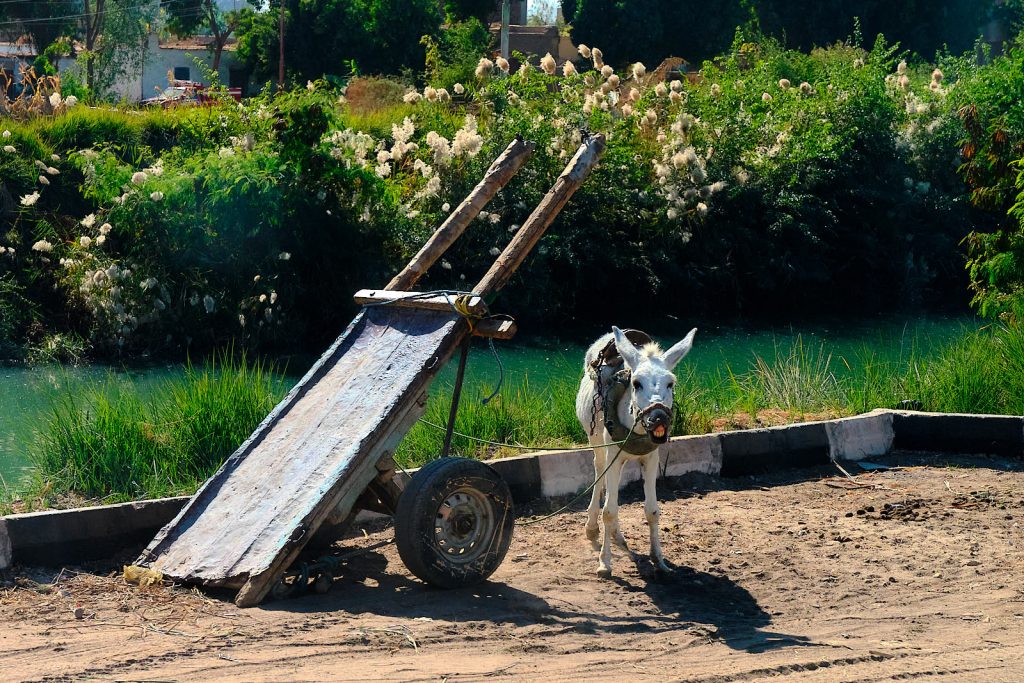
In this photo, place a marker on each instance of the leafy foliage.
(695, 30)
(379, 36)
(781, 181)
(991, 109)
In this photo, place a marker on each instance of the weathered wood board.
(312, 456)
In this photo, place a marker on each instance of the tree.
(650, 30)
(114, 34)
(44, 21)
(186, 17)
(457, 10)
(329, 36)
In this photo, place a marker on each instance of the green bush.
(989, 102)
(378, 37)
(781, 181)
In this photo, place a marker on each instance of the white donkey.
(635, 401)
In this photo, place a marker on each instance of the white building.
(187, 59)
(184, 59)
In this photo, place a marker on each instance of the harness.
(611, 382)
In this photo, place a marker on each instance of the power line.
(66, 17)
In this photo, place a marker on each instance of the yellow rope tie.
(462, 308)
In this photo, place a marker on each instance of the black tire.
(454, 522)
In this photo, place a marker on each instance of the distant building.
(166, 58)
(181, 59)
(16, 57)
(533, 41)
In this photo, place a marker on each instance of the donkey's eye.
(671, 384)
(637, 385)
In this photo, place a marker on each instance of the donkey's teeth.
(659, 432)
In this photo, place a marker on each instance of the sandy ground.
(807, 577)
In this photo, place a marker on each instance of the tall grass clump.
(966, 377)
(797, 379)
(107, 442)
(1010, 343)
(983, 372)
(102, 442)
(197, 416)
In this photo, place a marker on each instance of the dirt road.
(914, 575)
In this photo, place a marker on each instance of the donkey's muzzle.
(657, 422)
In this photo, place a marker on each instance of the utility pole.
(506, 19)
(280, 47)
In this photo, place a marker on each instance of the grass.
(519, 414)
(107, 444)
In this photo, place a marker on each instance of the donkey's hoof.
(604, 572)
(592, 533)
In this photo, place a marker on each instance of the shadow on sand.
(687, 600)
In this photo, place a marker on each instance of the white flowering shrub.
(777, 179)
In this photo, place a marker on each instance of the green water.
(717, 350)
(26, 393)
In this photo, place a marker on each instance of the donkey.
(634, 405)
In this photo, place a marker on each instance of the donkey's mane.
(650, 350)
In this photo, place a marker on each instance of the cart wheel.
(454, 522)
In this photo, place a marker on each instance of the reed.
(106, 442)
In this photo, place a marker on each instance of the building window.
(237, 78)
(182, 73)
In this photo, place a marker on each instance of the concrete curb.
(55, 537)
(67, 536)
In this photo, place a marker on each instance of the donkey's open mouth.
(657, 422)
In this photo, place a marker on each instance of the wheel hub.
(463, 525)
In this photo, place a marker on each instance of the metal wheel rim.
(464, 525)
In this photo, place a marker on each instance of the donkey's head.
(652, 382)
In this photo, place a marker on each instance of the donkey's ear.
(676, 353)
(629, 353)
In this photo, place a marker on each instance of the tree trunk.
(93, 20)
(220, 38)
(218, 49)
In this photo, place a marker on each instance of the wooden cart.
(326, 450)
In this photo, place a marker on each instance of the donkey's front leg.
(610, 517)
(600, 454)
(651, 461)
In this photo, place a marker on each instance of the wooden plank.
(341, 504)
(568, 182)
(317, 450)
(497, 176)
(495, 329)
(378, 297)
